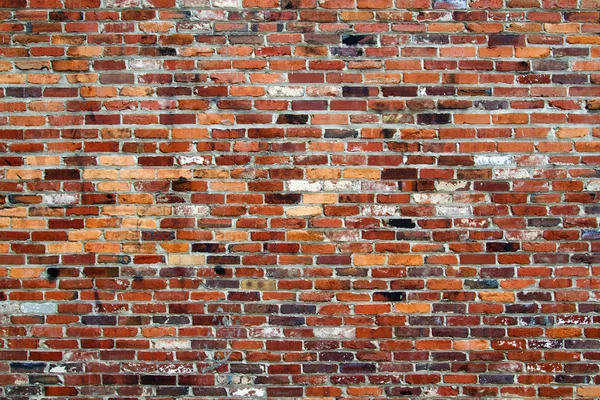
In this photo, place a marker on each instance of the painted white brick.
(379, 210)
(38, 308)
(144, 64)
(341, 186)
(208, 15)
(304, 186)
(285, 91)
(60, 199)
(236, 379)
(494, 160)
(265, 333)
(226, 3)
(192, 160)
(456, 211)
(8, 307)
(248, 392)
(472, 223)
(338, 333)
(524, 235)
(593, 186)
(431, 198)
(324, 91)
(342, 236)
(200, 211)
(175, 369)
(121, 3)
(379, 186)
(196, 3)
(444, 186)
(172, 344)
(511, 174)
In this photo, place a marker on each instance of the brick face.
(299, 199)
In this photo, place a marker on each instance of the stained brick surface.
(299, 199)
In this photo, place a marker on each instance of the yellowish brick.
(12, 79)
(174, 174)
(153, 210)
(572, 132)
(84, 235)
(42, 160)
(139, 248)
(63, 248)
(323, 173)
(228, 186)
(117, 160)
(139, 91)
(102, 247)
(231, 236)
(142, 223)
(304, 236)
(190, 133)
(303, 211)
(15, 212)
(257, 284)
(115, 236)
(100, 174)
(23, 174)
(43, 79)
(589, 391)
(113, 187)
(368, 259)
(319, 198)
(141, 198)
(118, 210)
(362, 173)
(27, 223)
(82, 78)
(25, 273)
(187, 259)
(137, 174)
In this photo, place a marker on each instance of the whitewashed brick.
(304, 186)
(38, 308)
(226, 3)
(249, 392)
(335, 333)
(511, 174)
(445, 186)
(285, 91)
(493, 160)
(341, 186)
(59, 199)
(199, 211)
(453, 211)
(192, 160)
(172, 344)
(431, 198)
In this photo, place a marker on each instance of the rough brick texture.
(299, 198)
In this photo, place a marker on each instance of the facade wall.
(299, 198)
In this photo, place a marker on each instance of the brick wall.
(299, 198)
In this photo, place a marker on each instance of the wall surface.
(299, 199)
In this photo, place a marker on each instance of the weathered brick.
(292, 198)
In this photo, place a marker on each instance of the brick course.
(299, 199)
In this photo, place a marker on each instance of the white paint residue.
(192, 160)
(248, 392)
(494, 160)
